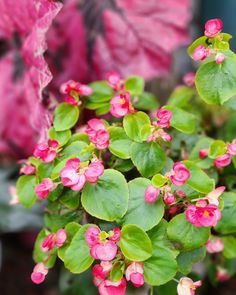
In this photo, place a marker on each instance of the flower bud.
(163, 118)
(219, 58)
(222, 161)
(213, 27)
(134, 273)
(169, 198)
(203, 153)
(200, 53)
(60, 238)
(151, 194)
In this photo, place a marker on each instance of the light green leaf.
(25, 187)
(120, 143)
(135, 85)
(65, 116)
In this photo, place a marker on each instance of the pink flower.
(97, 133)
(60, 237)
(94, 170)
(70, 100)
(108, 287)
(181, 194)
(115, 81)
(213, 27)
(120, 105)
(114, 235)
(204, 215)
(222, 275)
(48, 243)
(187, 286)
(47, 152)
(92, 235)
(39, 273)
(70, 176)
(222, 161)
(189, 79)
(213, 197)
(100, 271)
(42, 190)
(14, 197)
(134, 273)
(219, 58)
(81, 89)
(231, 148)
(169, 198)
(203, 153)
(27, 169)
(160, 133)
(151, 194)
(164, 117)
(105, 251)
(214, 245)
(200, 53)
(180, 174)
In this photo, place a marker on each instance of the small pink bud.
(163, 118)
(203, 153)
(92, 235)
(222, 161)
(115, 235)
(48, 243)
(222, 275)
(169, 198)
(189, 79)
(181, 194)
(232, 148)
(61, 237)
(187, 286)
(120, 105)
(151, 194)
(214, 245)
(134, 273)
(70, 100)
(213, 27)
(200, 53)
(219, 58)
(27, 170)
(39, 273)
(42, 190)
(180, 174)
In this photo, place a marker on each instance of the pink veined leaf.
(26, 73)
(139, 38)
(67, 51)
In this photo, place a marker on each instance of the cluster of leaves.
(167, 244)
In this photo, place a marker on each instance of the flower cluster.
(75, 174)
(163, 117)
(48, 244)
(97, 133)
(213, 28)
(46, 151)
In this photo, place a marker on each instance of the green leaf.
(135, 85)
(77, 256)
(102, 92)
(123, 165)
(199, 180)
(70, 199)
(71, 229)
(159, 180)
(61, 136)
(229, 251)
(65, 116)
(139, 207)
(217, 148)
(145, 101)
(186, 260)
(186, 236)
(44, 170)
(25, 187)
(180, 96)
(55, 221)
(149, 158)
(182, 120)
(217, 83)
(162, 266)
(227, 223)
(39, 255)
(133, 124)
(78, 149)
(135, 243)
(108, 198)
(119, 142)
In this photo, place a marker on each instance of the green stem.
(151, 290)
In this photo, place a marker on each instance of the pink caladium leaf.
(26, 72)
(140, 37)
